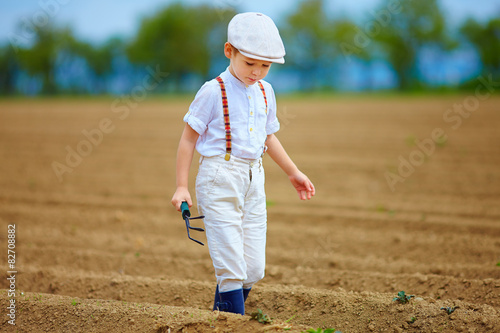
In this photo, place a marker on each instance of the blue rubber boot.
(216, 299)
(231, 301)
(245, 293)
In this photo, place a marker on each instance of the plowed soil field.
(407, 199)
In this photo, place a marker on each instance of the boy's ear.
(228, 50)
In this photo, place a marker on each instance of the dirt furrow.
(106, 251)
(305, 306)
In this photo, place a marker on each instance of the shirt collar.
(230, 78)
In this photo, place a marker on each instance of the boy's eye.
(249, 64)
(265, 66)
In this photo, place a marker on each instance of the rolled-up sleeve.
(201, 109)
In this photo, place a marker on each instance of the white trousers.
(231, 195)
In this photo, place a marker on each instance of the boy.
(230, 122)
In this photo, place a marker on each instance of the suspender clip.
(227, 157)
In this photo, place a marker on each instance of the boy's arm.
(184, 158)
(302, 184)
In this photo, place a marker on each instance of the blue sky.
(97, 20)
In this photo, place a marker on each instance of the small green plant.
(449, 310)
(319, 330)
(74, 302)
(412, 320)
(384, 209)
(442, 140)
(402, 298)
(261, 317)
(411, 141)
(270, 203)
(498, 264)
(32, 184)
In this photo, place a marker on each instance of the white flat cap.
(256, 36)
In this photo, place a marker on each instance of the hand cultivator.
(186, 215)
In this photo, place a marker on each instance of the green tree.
(40, 59)
(9, 66)
(308, 40)
(410, 27)
(344, 36)
(180, 40)
(486, 39)
(99, 58)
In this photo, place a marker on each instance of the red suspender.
(263, 93)
(225, 109)
(265, 100)
(227, 124)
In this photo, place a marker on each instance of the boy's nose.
(256, 72)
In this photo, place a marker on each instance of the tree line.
(186, 42)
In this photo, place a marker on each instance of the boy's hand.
(180, 195)
(305, 188)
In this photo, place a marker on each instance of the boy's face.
(246, 69)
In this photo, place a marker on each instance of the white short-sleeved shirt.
(250, 125)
